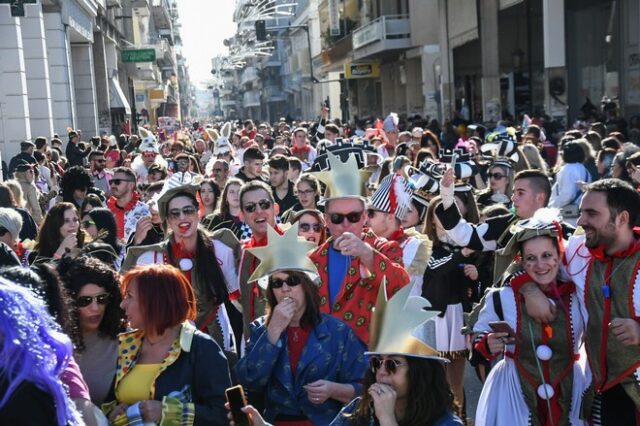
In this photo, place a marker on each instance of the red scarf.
(599, 253)
(301, 153)
(120, 212)
(179, 252)
(397, 235)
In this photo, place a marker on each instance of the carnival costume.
(541, 379)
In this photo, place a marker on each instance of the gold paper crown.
(212, 134)
(343, 180)
(394, 321)
(284, 252)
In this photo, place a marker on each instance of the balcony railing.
(274, 94)
(249, 75)
(251, 99)
(388, 27)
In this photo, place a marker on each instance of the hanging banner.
(334, 17)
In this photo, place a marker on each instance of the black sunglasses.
(306, 227)
(84, 301)
(338, 218)
(263, 204)
(497, 176)
(118, 181)
(391, 365)
(278, 283)
(186, 210)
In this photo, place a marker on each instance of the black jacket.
(76, 156)
(27, 406)
(23, 156)
(206, 371)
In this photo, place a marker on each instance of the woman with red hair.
(167, 369)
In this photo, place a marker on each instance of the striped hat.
(392, 196)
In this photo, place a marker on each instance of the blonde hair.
(15, 187)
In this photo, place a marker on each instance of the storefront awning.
(117, 97)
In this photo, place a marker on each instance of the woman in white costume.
(542, 376)
(208, 261)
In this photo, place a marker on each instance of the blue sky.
(205, 24)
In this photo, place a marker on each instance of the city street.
(284, 212)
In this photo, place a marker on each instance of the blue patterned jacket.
(332, 352)
(344, 418)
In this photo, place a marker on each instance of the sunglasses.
(391, 365)
(306, 227)
(118, 181)
(307, 192)
(278, 283)
(84, 301)
(186, 210)
(496, 176)
(338, 218)
(3, 231)
(87, 223)
(263, 204)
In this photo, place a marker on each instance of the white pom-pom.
(544, 352)
(544, 217)
(185, 264)
(545, 391)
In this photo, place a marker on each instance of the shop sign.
(369, 70)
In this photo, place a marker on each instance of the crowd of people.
(341, 276)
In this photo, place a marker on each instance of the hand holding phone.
(237, 399)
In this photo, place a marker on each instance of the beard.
(603, 237)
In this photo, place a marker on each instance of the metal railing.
(386, 27)
(248, 75)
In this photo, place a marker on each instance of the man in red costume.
(353, 262)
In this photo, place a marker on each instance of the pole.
(306, 29)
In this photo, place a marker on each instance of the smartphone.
(237, 400)
(454, 159)
(503, 327)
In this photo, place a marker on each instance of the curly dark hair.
(83, 270)
(430, 394)
(77, 177)
(44, 281)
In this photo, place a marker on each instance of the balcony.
(228, 103)
(274, 94)
(251, 99)
(385, 34)
(160, 9)
(165, 52)
(249, 75)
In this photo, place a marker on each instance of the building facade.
(483, 60)
(64, 66)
